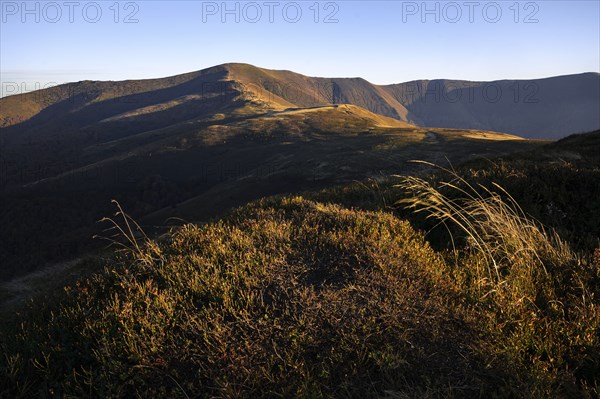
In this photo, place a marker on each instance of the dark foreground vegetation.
(340, 293)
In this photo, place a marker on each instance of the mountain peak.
(540, 108)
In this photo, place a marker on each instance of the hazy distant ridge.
(541, 108)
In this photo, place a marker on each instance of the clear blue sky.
(382, 41)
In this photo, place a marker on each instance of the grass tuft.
(492, 221)
(128, 236)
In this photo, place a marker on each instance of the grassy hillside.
(197, 168)
(115, 96)
(540, 108)
(557, 184)
(334, 293)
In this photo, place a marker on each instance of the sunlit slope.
(200, 167)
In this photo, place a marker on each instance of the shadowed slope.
(541, 108)
(200, 167)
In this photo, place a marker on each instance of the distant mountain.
(542, 108)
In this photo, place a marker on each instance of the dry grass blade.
(137, 242)
(493, 222)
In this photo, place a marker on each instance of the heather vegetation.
(490, 289)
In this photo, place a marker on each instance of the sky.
(45, 43)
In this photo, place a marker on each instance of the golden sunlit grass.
(492, 220)
(288, 298)
(541, 297)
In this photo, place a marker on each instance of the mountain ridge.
(550, 107)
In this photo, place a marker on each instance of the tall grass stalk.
(135, 240)
(492, 221)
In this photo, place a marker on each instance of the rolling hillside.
(194, 145)
(198, 168)
(334, 293)
(541, 108)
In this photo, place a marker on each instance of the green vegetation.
(337, 293)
